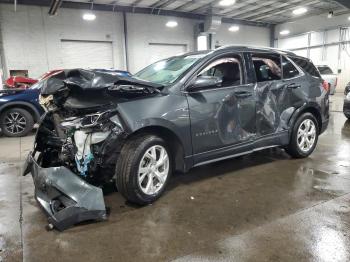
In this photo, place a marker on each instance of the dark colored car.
(346, 107)
(175, 114)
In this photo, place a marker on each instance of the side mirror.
(202, 82)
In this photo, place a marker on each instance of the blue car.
(20, 108)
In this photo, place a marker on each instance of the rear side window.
(307, 66)
(325, 70)
(267, 67)
(289, 70)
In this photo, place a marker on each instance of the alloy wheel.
(153, 170)
(15, 123)
(306, 135)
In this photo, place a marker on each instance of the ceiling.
(256, 12)
(267, 11)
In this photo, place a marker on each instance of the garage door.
(86, 54)
(161, 51)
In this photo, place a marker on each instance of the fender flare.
(36, 115)
(307, 107)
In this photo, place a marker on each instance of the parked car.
(346, 106)
(20, 108)
(328, 75)
(19, 82)
(175, 114)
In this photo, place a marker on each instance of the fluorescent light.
(89, 16)
(300, 11)
(284, 32)
(233, 28)
(349, 18)
(227, 2)
(171, 24)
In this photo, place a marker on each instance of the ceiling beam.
(132, 9)
(269, 13)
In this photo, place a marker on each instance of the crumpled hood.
(90, 80)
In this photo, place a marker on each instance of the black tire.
(293, 148)
(16, 132)
(128, 166)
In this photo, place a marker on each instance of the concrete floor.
(261, 207)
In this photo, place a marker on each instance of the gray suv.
(175, 114)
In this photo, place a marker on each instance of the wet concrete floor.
(260, 207)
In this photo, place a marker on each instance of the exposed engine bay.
(83, 133)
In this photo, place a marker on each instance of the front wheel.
(304, 136)
(16, 122)
(143, 169)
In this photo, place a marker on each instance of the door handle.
(242, 94)
(293, 86)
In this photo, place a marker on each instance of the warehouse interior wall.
(247, 35)
(33, 40)
(325, 41)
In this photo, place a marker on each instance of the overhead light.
(300, 11)
(284, 32)
(89, 16)
(349, 18)
(171, 24)
(227, 2)
(233, 28)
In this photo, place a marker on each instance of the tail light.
(325, 85)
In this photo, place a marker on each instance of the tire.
(347, 116)
(23, 125)
(294, 148)
(128, 171)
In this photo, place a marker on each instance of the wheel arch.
(314, 110)
(171, 139)
(23, 105)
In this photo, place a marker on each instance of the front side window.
(289, 70)
(267, 67)
(227, 70)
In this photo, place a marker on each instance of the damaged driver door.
(222, 109)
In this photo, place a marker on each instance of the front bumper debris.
(66, 198)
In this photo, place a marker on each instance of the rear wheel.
(304, 136)
(143, 169)
(16, 122)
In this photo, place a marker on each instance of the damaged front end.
(78, 143)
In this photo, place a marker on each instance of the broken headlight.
(93, 119)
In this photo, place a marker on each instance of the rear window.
(325, 70)
(289, 70)
(307, 66)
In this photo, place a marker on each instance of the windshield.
(167, 71)
(325, 70)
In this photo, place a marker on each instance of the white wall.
(146, 29)
(247, 35)
(32, 39)
(323, 48)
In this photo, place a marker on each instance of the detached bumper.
(66, 198)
